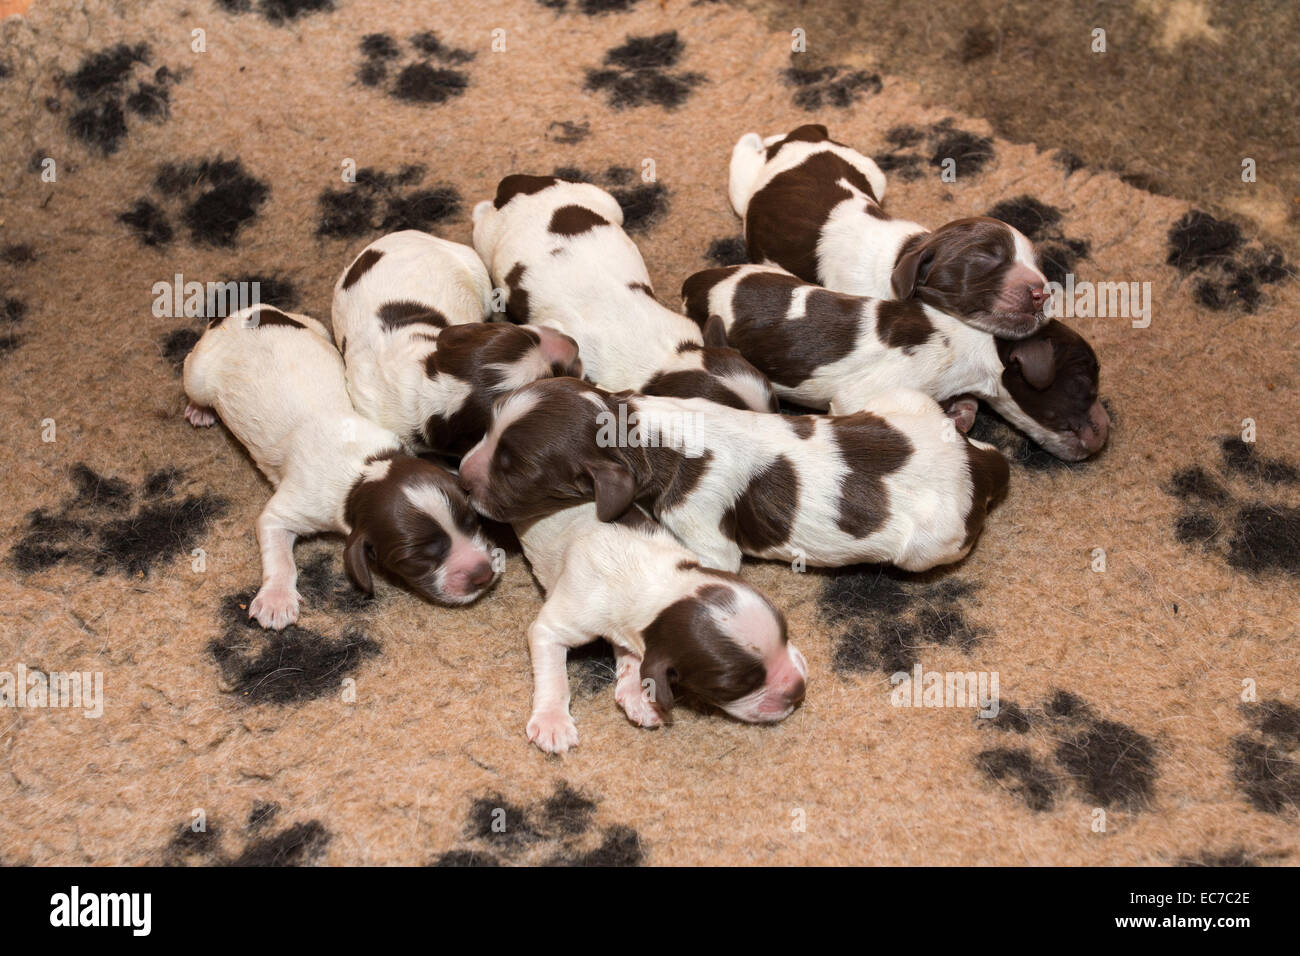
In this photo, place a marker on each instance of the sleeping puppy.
(894, 483)
(812, 206)
(825, 349)
(678, 630)
(276, 381)
(559, 250)
(409, 318)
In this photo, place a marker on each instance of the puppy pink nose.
(1038, 294)
(1095, 431)
(480, 575)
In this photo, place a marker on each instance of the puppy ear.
(1037, 362)
(355, 561)
(715, 333)
(910, 269)
(656, 668)
(615, 488)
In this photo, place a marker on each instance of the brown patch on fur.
(360, 266)
(872, 449)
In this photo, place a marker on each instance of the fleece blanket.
(1138, 611)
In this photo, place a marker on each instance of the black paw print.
(1107, 763)
(384, 202)
(299, 663)
(12, 313)
(110, 84)
(590, 8)
(936, 143)
(1227, 270)
(729, 251)
(1255, 536)
(889, 617)
(106, 524)
(273, 290)
(1057, 254)
(278, 12)
(419, 80)
(298, 845)
(835, 86)
(643, 204)
(1262, 760)
(216, 198)
(556, 831)
(637, 73)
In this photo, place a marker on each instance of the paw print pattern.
(215, 199)
(109, 85)
(12, 312)
(639, 72)
(728, 251)
(643, 204)
(914, 149)
(419, 80)
(888, 618)
(1227, 271)
(1263, 760)
(108, 525)
(1104, 762)
(298, 663)
(1057, 254)
(557, 831)
(830, 86)
(298, 845)
(384, 202)
(278, 12)
(1255, 536)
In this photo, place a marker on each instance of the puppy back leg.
(276, 604)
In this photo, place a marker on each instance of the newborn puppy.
(895, 482)
(559, 250)
(826, 349)
(678, 630)
(277, 383)
(812, 206)
(408, 315)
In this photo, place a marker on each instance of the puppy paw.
(275, 607)
(629, 695)
(553, 731)
(200, 416)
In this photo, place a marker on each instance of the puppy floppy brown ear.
(356, 563)
(615, 489)
(657, 670)
(911, 268)
(1037, 362)
(715, 333)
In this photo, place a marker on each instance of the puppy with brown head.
(893, 483)
(277, 383)
(409, 318)
(679, 631)
(813, 206)
(824, 349)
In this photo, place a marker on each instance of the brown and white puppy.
(826, 349)
(409, 316)
(559, 250)
(894, 483)
(276, 381)
(679, 631)
(813, 206)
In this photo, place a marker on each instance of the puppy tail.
(747, 161)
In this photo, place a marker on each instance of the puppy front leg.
(276, 604)
(551, 726)
(628, 692)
